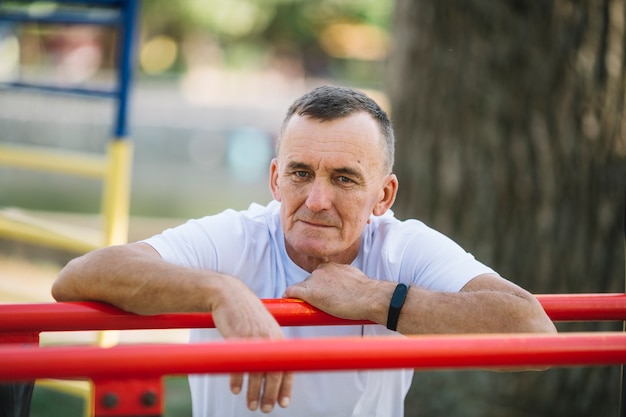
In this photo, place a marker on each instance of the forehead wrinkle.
(305, 139)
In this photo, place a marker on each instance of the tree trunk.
(511, 140)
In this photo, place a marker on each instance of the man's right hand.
(133, 277)
(239, 313)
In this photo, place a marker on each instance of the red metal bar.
(420, 352)
(98, 316)
(25, 338)
(584, 307)
(288, 312)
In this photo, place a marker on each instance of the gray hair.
(328, 103)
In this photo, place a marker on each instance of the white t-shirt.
(250, 245)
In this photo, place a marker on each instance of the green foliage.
(237, 19)
(292, 24)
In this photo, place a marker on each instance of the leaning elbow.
(547, 327)
(540, 325)
(542, 322)
(57, 292)
(536, 319)
(60, 290)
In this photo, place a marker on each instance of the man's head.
(331, 174)
(328, 103)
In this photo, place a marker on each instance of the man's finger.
(255, 381)
(271, 389)
(236, 383)
(295, 291)
(284, 396)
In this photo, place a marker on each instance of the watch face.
(397, 301)
(399, 295)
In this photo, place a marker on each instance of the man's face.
(329, 177)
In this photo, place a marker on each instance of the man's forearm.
(427, 312)
(134, 278)
(487, 303)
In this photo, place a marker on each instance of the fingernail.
(266, 408)
(284, 402)
(252, 405)
(235, 390)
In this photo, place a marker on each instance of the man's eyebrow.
(350, 172)
(299, 166)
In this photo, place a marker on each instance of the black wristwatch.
(397, 301)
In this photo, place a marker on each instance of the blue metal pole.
(126, 63)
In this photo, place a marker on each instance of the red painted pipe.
(419, 352)
(584, 307)
(98, 316)
(288, 312)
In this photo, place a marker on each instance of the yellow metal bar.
(16, 225)
(54, 160)
(116, 193)
(114, 170)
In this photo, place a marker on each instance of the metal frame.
(128, 379)
(113, 168)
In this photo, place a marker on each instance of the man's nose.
(320, 196)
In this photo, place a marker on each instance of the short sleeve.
(411, 252)
(215, 242)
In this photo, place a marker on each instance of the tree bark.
(509, 118)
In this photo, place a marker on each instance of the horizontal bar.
(288, 312)
(90, 17)
(14, 224)
(419, 352)
(54, 160)
(584, 307)
(98, 316)
(76, 91)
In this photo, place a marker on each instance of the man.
(330, 239)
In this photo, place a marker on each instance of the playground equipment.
(113, 168)
(128, 378)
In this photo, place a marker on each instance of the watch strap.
(397, 301)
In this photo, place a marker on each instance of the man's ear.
(274, 180)
(387, 195)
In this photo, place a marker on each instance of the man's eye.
(301, 174)
(344, 180)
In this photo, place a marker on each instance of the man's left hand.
(343, 291)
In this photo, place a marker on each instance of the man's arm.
(487, 304)
(133, 277)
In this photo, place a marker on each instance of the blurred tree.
(275, 28)
(510, 124)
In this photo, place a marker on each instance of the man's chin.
(316, 253)
(311, 250)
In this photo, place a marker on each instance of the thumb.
(295, 291)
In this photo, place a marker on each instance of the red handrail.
(418, 352)
(289, 312)
(584, 307)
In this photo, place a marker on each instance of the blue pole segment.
(126, 61)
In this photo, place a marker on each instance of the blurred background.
(508, 116)
(213, 82)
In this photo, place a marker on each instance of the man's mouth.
(316, 224)
(321, 223)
